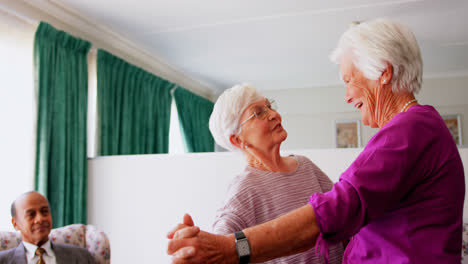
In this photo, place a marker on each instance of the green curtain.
(62, 83)
(134, 108)
(194, 114)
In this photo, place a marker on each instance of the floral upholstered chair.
(86, 236)
(465, 244)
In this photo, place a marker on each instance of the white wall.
(309, 114)
(17, 112)
(136, 200)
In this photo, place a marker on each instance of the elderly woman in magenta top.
(270, 185)
(400, 201)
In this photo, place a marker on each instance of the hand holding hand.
(189, 245)
(187, 229)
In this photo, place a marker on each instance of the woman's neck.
(388, 105)
(269, 161)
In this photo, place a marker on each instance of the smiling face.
(263, 132)
(33, 218)
(360, 91)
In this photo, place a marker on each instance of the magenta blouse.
(401, 200)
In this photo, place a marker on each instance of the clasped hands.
(189, 245)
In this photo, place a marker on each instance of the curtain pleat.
(61, 163)
(194, 114)
(133, 108)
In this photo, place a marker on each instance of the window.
(176, 143)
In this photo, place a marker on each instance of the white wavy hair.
(224, 120)
(374, 43)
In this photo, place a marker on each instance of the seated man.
(31, 216)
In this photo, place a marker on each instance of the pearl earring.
(246, 147)
(384, 81)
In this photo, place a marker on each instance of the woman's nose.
(348, 98)
(272, 114)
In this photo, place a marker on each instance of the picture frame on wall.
(348, 133)
(453, 123)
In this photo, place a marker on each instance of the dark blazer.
(64, 254)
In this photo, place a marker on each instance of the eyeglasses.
(261, 112)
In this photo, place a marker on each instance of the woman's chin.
(367, 122)
(283, 136)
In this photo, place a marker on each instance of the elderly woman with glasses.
(400, 201)
(270, 185)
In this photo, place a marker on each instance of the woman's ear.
(236, 141)
(387, 74)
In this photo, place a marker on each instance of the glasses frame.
(265, 110)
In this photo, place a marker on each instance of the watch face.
(243, 248)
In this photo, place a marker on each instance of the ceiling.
(274, 44)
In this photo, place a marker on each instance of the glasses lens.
(262, 113)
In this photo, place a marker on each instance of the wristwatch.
(242, 247)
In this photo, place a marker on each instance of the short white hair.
(227, 111)
(374, 43)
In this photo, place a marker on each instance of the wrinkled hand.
(189, 245)
(186, 229)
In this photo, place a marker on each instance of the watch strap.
(239, 235)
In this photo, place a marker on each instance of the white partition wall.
(137, 199)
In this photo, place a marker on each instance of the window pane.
(176, 144)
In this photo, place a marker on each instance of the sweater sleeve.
(231, 216)
(227, 222)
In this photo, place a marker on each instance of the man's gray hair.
(224, 120)
(13, 209)
(375, 43)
